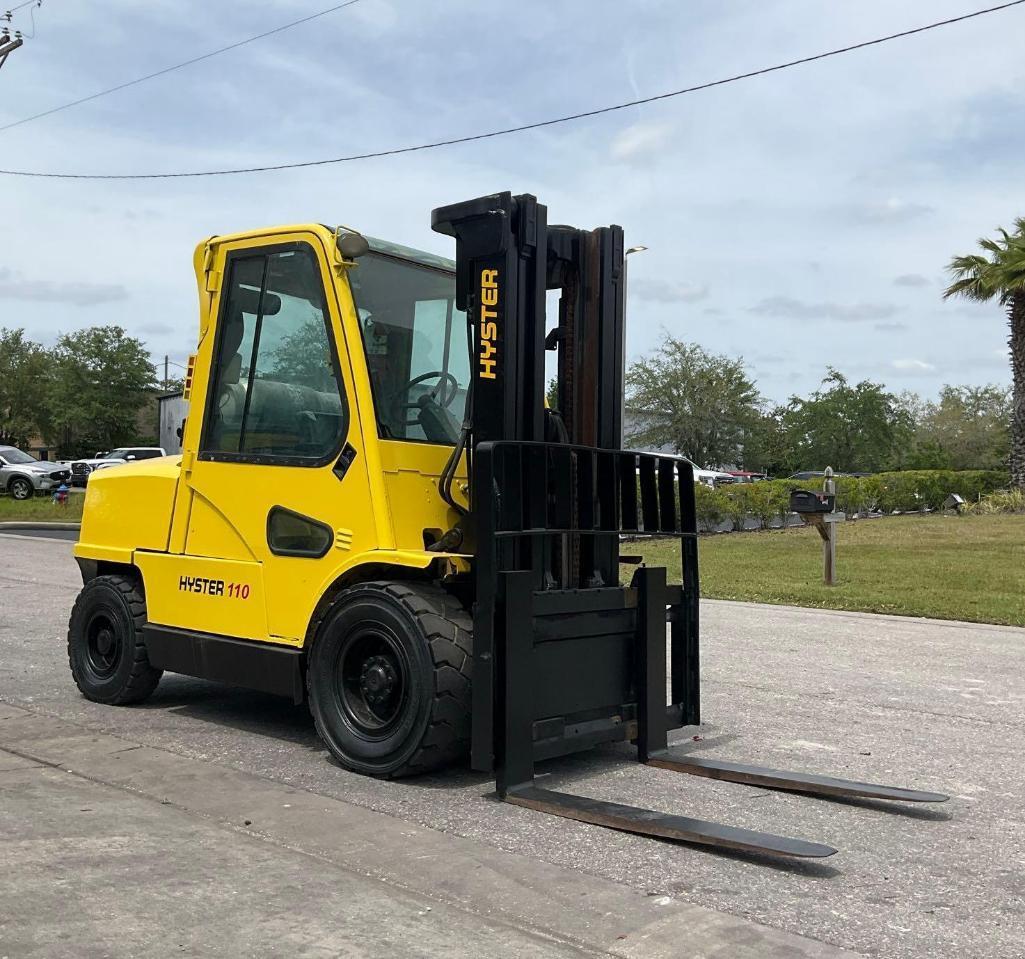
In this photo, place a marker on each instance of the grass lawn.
(41, 509)
(946, 567)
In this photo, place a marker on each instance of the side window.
(276, 392)
(292, 534)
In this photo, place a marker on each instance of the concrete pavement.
(114, 849)
(911, 702)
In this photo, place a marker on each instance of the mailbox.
(805, 501)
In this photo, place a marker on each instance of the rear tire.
(105, 646)
(389, 679)
(20, 488)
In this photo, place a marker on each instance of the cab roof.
(377, 245)
(410, 253)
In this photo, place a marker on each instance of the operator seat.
(230, 400)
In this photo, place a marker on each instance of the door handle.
(345, 460)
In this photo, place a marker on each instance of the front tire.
(20, 488)
(105, 646)
(389, 679)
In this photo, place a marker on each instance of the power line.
(177, 66)
(517, 129)
(31, 15)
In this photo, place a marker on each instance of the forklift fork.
(515, 775)
(807, 783)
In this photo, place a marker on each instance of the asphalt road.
(910, 702)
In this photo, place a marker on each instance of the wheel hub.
(104, 642)
(103, 647)
(378, 680)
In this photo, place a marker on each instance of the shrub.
(711, 506)
(766, 501)
(921, 489)
(889, 492)
(738, 504)
(1000, 501)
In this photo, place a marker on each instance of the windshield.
(416, 347)
(16, 457)
(116, 455)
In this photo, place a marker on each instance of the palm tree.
(1000, 275)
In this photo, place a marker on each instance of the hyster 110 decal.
(212, 587)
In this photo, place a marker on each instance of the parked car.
(746, 476)
(82, 469)
(23, 476)
(807, 475)
(711, 478)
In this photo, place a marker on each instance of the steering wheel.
(443, 393)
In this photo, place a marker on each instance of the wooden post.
(828, 531)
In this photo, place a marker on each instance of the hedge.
(1001, 501)
(902, 492)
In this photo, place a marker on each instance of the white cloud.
(666, 291)
(889, 211)
(77, 293)
(640, 143)
(911, 279)
(792, 308)
(912, 366)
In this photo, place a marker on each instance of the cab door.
(278, 483)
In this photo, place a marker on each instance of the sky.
(800, 220)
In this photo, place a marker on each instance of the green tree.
(966, 428)
(851, 427)
(998, 273)
(302, 356)
(552, 393)
(24, 374)
(101, 380)
(699, 403)
(767, 445)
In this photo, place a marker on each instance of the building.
(173, 409)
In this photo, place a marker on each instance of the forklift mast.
(507, 260)
(561, 650)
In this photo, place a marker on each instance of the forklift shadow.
(580, 769)
(235, 708)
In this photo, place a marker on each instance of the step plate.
(648, 822)
(790, 781)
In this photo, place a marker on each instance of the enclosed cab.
(327, 396)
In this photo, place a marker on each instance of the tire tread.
(143, 678)
(448, 627)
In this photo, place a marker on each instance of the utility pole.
(167, 378)
(9, 44)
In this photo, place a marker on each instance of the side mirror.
(130, 457)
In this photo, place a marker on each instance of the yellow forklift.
(377, 513)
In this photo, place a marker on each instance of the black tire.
(389, 679)
(21, 488)
(105, 646)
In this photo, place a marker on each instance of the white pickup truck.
(82, 469)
